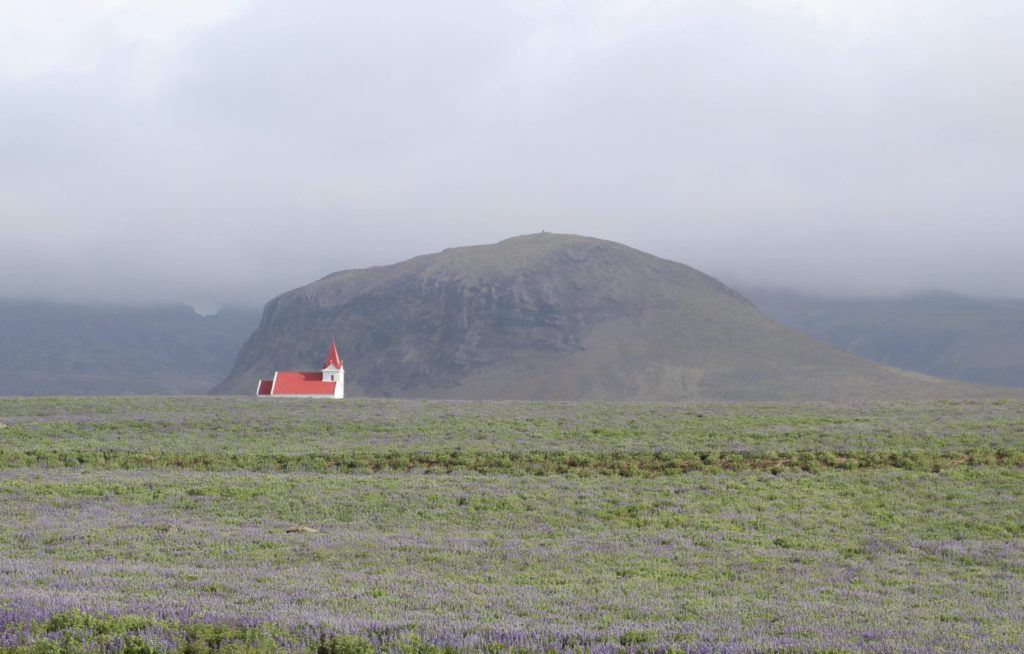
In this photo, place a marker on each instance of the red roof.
(332, 357)
(264, 387)
(302, 383)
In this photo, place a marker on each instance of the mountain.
(973, 339)
(49, 348)
(557, 317)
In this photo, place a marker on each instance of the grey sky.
(214, 151)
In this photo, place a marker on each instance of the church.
(329, 382)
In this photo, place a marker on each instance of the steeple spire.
(332, 360)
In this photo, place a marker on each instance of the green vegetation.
(224, 434)
(202, 525)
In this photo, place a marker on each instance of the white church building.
(329, 382)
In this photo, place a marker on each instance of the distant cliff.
(50, 348)
(979, 340)
(556, 317)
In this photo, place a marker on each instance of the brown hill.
(559, 317)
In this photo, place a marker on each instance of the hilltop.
(564, 317)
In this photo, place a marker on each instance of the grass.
(513, 437)
(215, 524)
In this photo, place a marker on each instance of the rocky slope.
(557, 317)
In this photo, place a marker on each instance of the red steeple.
(332, 357)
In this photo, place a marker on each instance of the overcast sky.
(225, 151)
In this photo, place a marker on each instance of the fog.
(220, 151)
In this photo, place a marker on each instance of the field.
(213, 524)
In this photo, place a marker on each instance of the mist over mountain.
(561, 317)
(974, 339)
(49, 348)
(836, 145)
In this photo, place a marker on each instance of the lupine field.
(203, 525)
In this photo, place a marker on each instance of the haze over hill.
(224, 151)
(564, 317)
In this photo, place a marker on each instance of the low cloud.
(226, 152)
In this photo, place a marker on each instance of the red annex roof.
(332, 357)
(264, 387)
(302, 383)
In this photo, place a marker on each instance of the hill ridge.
(561, 317)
